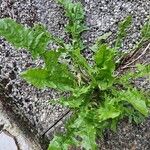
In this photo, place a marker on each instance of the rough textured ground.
(128, 137)
(101, 16)
(33, 103)
(9, 126)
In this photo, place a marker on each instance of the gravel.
(128, 137)
(101, 16)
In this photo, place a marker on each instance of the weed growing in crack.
(100, 95)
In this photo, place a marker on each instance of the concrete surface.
(101, 16)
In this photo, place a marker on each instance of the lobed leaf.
(146, 31)
(81, 61)
(100, 41)
(42, 78)
(34, 39)
(122, 31)
(55, 144)
(84, 127)
(88, 135)
(141, 71)
(74, 12)
(110, 110)
(135, 98)
(105, 66)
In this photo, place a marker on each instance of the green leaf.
(84, 128)
(71, 102)
(134, 115)
(105, 66)
(38, 77)
(141, 71)
(77, 98)
(42, 78)
(100, 41)
(81, 61)
(104, 57)
(34, 39)
(59, 72)
(146, 31)
(75, 13)
(81, 90)
(136, 99)
(122, 31)
(88, 135)
(55, 144)
(63, 142)
(114, 123)
(51, 60)
(75, 29)
(104, 79)
(108, 113)
(109, 110)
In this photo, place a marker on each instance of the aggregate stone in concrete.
(101, 16)
(31, 102)
(11, 136)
